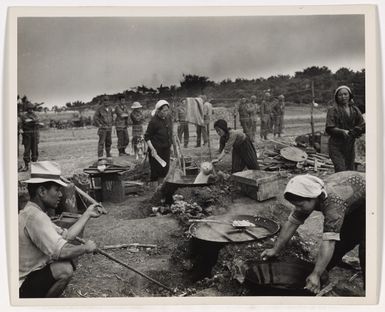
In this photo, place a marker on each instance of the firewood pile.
(272, 160)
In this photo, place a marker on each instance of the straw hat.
(136, 105)
(45, 171)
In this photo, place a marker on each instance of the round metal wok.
(225, 232)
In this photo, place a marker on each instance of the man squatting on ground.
(30, 132)
(103, 119)
(341, 200)
(45, 252)
(121, 124)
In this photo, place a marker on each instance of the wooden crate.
(257, 184)
(115, 189)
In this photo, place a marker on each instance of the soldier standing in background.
(244, 117)
(281, 99)
(121, 124)
(253, 115)
(265, 114)
(277, 116)
(30, 131)
(103, 119)
(183, 129)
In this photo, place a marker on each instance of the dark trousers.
(342, 154)
(277, 124)
(352, 234)
(105, 141)
(123, 138)
(30, 142)
(247, 126)
(244, 155)
(183, 131)
(265, 125)
(201, 132)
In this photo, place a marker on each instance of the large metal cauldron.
(278, 278)
(226, 233)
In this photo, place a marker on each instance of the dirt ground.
(170, 262)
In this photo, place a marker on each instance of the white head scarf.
(158, 106)
(307, 186)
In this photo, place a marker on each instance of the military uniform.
(277, 117)
(30, 127)
(103, 119)
(121, 124)
(265, 114)
(244, 117)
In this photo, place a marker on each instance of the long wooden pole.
(311, 114)
(98, 250)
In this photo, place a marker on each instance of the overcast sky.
(66, 59)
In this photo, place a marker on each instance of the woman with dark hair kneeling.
(243, 151)
(341, 200)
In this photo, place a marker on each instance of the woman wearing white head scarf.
(159, 136)
(341, 200)
(344, 123)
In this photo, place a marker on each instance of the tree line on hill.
(296, 89)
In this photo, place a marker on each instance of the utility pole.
(311, 114)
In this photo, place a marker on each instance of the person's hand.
(313, 283)
(345, 132)
(90, 246)
(95, 210)
(268, 253)
(153, 152)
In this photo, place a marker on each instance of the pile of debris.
(183, 209)
(294, 158)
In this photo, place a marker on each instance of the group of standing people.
(104, 120)
(46, 254)
(202, 131)
(271, 113)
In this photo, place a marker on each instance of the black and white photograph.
(177, 154)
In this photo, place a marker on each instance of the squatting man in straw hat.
(341, 200)
(45, 252)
